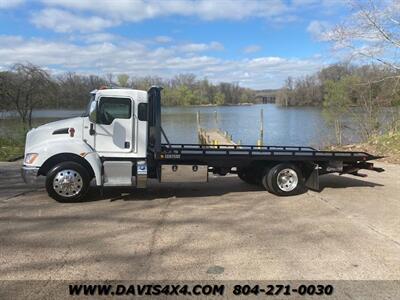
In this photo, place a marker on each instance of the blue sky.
(257, 43)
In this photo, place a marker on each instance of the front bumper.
(30, 175)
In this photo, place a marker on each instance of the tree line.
(314, 90)
(25, 87)
(368, 96)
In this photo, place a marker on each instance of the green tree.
(219, 98)
(123, 80)
(338, 99)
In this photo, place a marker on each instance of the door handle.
(91, 130)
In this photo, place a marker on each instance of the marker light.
(30, 158)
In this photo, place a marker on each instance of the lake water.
(282, 125)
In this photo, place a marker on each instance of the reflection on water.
(282, 126)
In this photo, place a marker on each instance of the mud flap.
(312, 182)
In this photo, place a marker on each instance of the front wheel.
(285, 179)
(67, 182)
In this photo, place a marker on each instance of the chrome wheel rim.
(67, 183)
(287, 180)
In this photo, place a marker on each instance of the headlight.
(30, 158)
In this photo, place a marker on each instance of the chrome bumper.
(30, 175)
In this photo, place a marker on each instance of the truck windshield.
(86, 113)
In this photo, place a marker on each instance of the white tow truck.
(118, 142)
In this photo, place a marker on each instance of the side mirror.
(93, 112)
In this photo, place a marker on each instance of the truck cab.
(106, 145)
(115, 123)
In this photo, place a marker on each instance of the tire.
(75, 184)
(285, 179)
(264, 179)
(249, 176)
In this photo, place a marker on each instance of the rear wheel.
(285, 179)
(264, 179)
(67, 182)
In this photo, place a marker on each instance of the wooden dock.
(218, 137)
(214, 137)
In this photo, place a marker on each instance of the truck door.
(115, 125)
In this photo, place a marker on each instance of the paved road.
(224, 230)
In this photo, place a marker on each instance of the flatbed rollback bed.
(282, 170)
(253, 163)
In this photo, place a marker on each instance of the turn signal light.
(30, 158)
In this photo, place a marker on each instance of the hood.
(53, 130)
(66, 123)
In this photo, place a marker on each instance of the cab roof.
(117, 91)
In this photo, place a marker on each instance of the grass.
(11, 149)
(387, 144)
(12, 137)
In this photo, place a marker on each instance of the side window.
(114, 108)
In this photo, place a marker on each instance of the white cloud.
(327, 4)
(206, 9)
(251, 49)
(99, 37)
(162, 39)
(63, 21)
(106, 13)
(319, 30)
(4, 4)
(139, 59)
(239, 9)
(91, 16)
(200, 47)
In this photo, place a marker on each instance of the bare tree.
(372, 31)
(110, 79)
(73, 89)
(285, 94)
(24, 88)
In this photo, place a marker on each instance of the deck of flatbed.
(295, 153)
